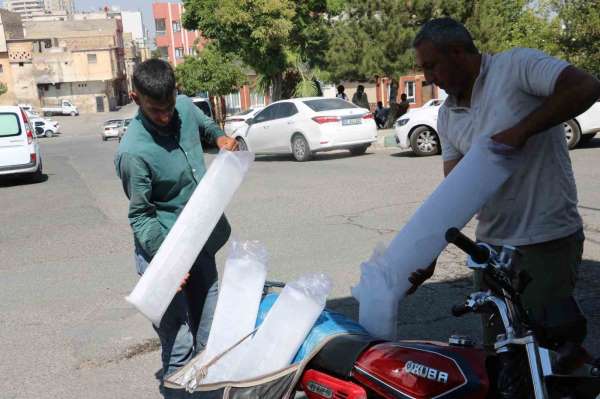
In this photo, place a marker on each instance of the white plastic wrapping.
(455, 201)
(284, 328)
(240, 293)
(158, 285)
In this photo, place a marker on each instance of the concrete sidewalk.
(386, 139)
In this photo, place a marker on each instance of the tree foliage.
(267, 35)
(373, 37)
(210, 71)
(579, 34)
(3, 88)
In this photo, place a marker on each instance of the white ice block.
(158, 285)
(455, 201)
(240, 293)
(285, 327)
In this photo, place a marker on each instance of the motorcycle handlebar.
(459, 310)
(478, 253)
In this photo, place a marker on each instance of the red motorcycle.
(530, 361)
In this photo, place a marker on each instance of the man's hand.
(227, 143)
(513, 137)
(185, 279)
(420, 276)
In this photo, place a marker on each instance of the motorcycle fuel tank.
(420, 370)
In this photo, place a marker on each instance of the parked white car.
(44, 127)
(112, 129)
(417, 129)
(303, 126)
(234, 122)
(19, 148)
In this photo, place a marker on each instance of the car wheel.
(242, 146)
(73, 113)
(48, 133)
(104, 138)
(359, 150)
(424, 141)
(37, 176)
(572, 133)
(300, 148)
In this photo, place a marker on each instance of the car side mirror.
(250, 121)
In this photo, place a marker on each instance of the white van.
(19, 148)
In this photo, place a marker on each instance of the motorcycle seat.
(338, 355)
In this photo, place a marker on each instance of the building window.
(161, 26)
(409, 89)
(164, 53)
(232, 103)
(192, 51)
(21, 65)
(176, 26)
(257, 99)
(92, 59)
(179, 52)
(1, 68)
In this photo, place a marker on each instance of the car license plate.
(353, 121)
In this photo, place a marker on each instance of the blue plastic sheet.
(328, 324)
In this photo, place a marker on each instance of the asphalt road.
(66, 256)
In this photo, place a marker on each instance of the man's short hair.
(154, 78)
(360, 87)
(445, 32)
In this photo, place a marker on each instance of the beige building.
(11, 28)
(82, 61)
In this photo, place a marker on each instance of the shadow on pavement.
(404, 154)
(328, 156)
(14, 181)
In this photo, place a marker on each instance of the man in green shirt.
(160, 162)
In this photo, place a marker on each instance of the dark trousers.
(184, 328)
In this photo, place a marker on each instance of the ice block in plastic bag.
(381, 298)
(240, 293)
(477, 177)
(285, 327)
(158, 285)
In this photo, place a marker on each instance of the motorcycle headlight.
(402, 122)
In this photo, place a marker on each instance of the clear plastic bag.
(158, 285)
(240, 293)
(285, 327)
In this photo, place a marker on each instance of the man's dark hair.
(154, 78)
(379, 103)
(445, 32)
(340, 89)
(403, 96)
(360, 88)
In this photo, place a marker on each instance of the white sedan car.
(234, 122)
(303, 126)
(417, 128)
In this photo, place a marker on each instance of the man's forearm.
(575, 91)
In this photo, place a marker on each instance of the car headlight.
(402, 122)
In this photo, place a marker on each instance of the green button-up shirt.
(160, 168)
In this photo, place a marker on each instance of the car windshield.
(328, 104)
(9, 125)
(112, 122)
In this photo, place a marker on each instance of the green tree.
(381, 32)
(3, 88)
(267, 35)
(579, 32)
(210, 71)
(373, 37)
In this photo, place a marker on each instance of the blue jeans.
(185, 326)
